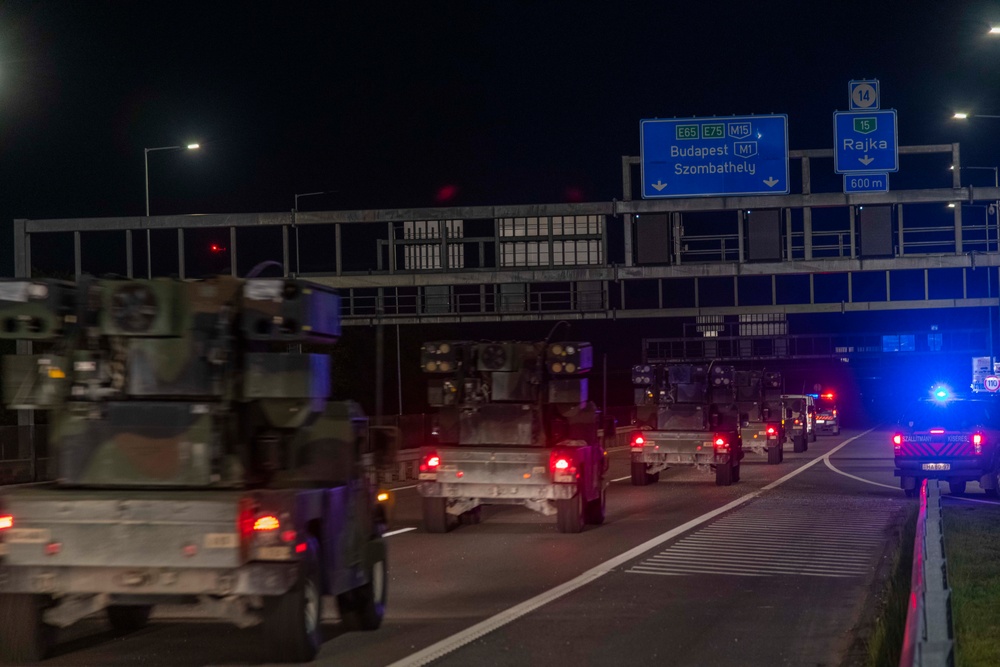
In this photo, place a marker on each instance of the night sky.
(412, 104)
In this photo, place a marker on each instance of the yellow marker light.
(56, 373)
(383, 496)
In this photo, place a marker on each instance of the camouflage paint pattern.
(290, 310)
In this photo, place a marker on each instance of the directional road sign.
(865, 142)
(866, 183)
(701, 157)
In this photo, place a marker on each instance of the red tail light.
(638, 440)
(978, 440)
(6, 521)
(772, 431)
(562, 465)
(937, 431)
(897, 442)
(267, 522)
(430, 463)
(721, 444)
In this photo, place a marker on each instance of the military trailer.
(799, 419)
(196, 461)
(685, 415)
(758, 396)
(515, 426)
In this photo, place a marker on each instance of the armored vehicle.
(685, 414)
(515, 426)
(197, 461)
(758, 396)
(799, 419)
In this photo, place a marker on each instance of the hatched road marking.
(766, 539)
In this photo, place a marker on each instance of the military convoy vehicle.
(197, 461)
(799, 419)
(758, 396)
(685, 414)
(515, 426)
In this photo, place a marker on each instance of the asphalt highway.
(777, 569)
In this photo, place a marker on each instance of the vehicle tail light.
(430, 463)
(721, 444)
(562, 465)
(977, 443)
(937, 431)
(6, 521)
(834, 413)
(897, 443)
(267, 522)
(638, 440)
(772, 431)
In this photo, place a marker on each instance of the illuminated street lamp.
(963, 115)
(146, 152)
(994, 30)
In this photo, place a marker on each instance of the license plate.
(820, 421)
(274, 553)
(937, 466)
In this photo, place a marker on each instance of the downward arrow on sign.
(659, 185)
(771, 181)
(866, 160)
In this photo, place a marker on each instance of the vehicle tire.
(640, 477)
(364, 607)
(995, 491)
(126, 619)
(472, 517)
(724, 474)
(911, 493)
(736, 473)
(956, 487)
(593, 512)
(836, 431)
(812, 436)
(24, 637)
(569, 514)
(292, 621)
(799, 443)
(436, 515)
(773, 455)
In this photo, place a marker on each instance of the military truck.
(799, 418)
(514, 426)
(758, 397)
(196, 460)
(685, 414)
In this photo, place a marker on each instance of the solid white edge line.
(397, 532)
(403, 488)
(622, 479)
(860, 479)
(973, 500)
(459, 639)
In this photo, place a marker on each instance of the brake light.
(772, 431)
(897, 442)
(937, 431)
(562, 464)
(638, 440)
(721, 444)
(834, 413)
(430, 463)
(977, 443)
(6, 521)
(267, 522)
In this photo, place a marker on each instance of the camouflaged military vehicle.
(197, 461)
(514, 427)
(685, 414)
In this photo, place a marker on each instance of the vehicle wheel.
(569, 514)
(724, 474)
(364, 608)
(995, 491)
(910, 493)
(836, 431)
(126, 619)
(781, 453)
(956, 487)
(773, 455)
(594, 510)
(436, 515)
(292, 621)
(812, 436)
(472, 517)
(23, 635)
(640, 477)
(736, 473)
(799, 443)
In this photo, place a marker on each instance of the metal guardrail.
(928, 640)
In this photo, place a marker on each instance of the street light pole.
(295, 211)
(145, 159)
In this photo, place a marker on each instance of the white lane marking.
(622, 479)
(404, 488)
(460, 639)
(973, 500)
(829, 465)
(397, 532)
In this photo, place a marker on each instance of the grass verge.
(972, 547)
(886, 636)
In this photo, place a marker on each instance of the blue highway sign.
(703, 157)
(865, 142)
(866, 183)
(863, 94)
